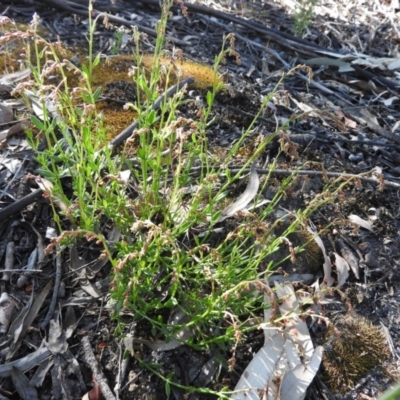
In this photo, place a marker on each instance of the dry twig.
(97, 372)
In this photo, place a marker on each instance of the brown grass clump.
(356, 350)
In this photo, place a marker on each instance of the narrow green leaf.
(141, 153)
(151, 117)
(96, 61)
(38, 123)
(85, 70)
(97, 94)
(210, 99)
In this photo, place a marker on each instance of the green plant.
(116, 46)
(392, 394)
(169, 255)
(303, 15)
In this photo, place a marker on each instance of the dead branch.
(95, 367)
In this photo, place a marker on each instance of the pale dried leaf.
(13, 165)
(112, 237)
(178, 317)
(342, 269)
(124, 176)
(24, 320)
(257, 374)
(181, 337)
(296, 381)
(345, 68)
(31, 264)
(17, 327)
(177, 339)
(355, 219)
(70, 322)
(389, 101)
(51, 233)
(40, 244)
(245, 198)
(269, 299)
(295, 277)
(128, 343)
(48, 187)
(57, 341)
(8, 261)
(26, 363)
(395, 64)
(292, 354)
(14, 77)
(280, 358)
(7, 307)
(57, 379)
(328, 279)
(386, 332)
(297, 328)
(382, 63)
(349, 256)
(260, 202)
(41, 373)
(77, 265)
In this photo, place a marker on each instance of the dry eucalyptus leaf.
(57, 340)
(26, 363)
(7, 307)
(177, 339)
(257, 374)
(297, 328)
(296, 381)
(328, 279)
(181, 338)
(342, 268)
(349, 256)
(355, 219)
(25, 319)
(47, 187)
(41, 372)
(245, 198)
(279, 360)
(24, 388)
(31, 264)
(382, 63)
(11, 79)
(78, 267)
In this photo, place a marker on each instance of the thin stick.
(129, 130)
(55, 290)
(97, 372)
(344, 175)
(80, 9)
(19, 205)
